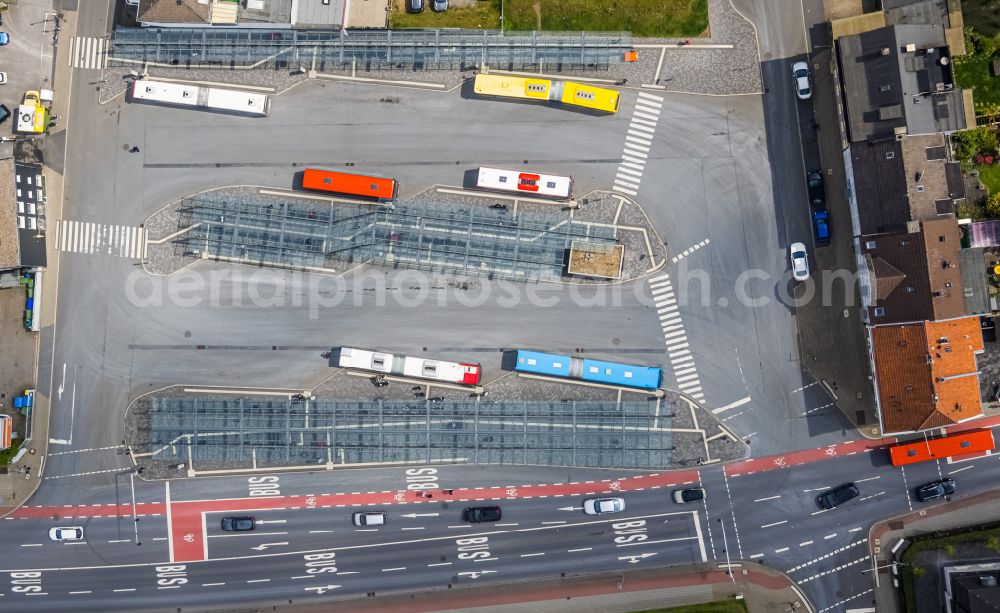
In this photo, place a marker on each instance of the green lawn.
(990, 177)
(973, 70)
(668, 18)
(720, 606)
(485, 15)
(983, 15)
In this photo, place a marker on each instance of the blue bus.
(597, 371)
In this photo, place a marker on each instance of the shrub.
(993, 204)
(993, 543)
(977, 140)
(983, 159)
(919, 571)
(949, 549)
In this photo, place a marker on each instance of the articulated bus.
(963, 443)
(566, 92)
(195, 97)
(350, 184)
(518, 182)
(387, 363)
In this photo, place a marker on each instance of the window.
(890, 155)
(870, 245)
(879, 312)
(942, 239)
(920, 188)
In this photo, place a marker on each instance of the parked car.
(936, 489)
(66, 534)
(477, 515)
(821, 227)
(239, 524)
(817, 197)
(800, 261)
(414, 6)
(439, 5)
(800, 71)
(837, 496)
(4, 113)
(600, 506)
(4, 38)
(368, 519)
(692, 494)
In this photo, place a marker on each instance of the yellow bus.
(597, 98)
(566, 92)
(513, 87)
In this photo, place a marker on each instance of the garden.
(659, 18)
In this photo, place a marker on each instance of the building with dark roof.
(898, 180)
(898, 80)
(22, 217)
(913, 276)
(972, 588)
(926, 374)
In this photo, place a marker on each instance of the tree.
(993, 204)
(970, 142)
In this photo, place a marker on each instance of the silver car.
(800, 71)
(600, 506)
(439, 5)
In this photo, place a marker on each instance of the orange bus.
(348, 183)
(963, 443)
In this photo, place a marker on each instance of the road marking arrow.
(322, 589)
(570, 508)
(416, 515)
(264, 546)
(475, 575)
(62, 385)
(636, 558)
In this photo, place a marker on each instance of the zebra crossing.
(638, 142)
(678, 350)
(88, 52)
(87, 237)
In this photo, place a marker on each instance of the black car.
(817, 197)
(238, 524)
(4, 113)
(476, 515)
(837, 496)
(935, 489)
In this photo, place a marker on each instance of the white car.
(800, 70)
(368, 519)
(800, 261)
(600, 506)
(66, 534)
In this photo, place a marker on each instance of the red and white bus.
(963, 443)
(390, 364)
(530, 183)
(348, 183)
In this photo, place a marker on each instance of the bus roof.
(349, 183)
(241, 102)
(543, 363)
(646, 377)
(512, 87)
(598, 98)
(973, 441)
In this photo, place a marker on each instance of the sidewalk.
(980, 509)
(22, 486)
(763, 589)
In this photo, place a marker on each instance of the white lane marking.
(768, 498)
(732, 405)
(777, 523)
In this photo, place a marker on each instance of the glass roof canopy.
(259, 47)
(280, 431)
(422, 235)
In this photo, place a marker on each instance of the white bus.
(519, 182)
(452, 372)
(195, 97)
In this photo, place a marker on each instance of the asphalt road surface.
(726, 173)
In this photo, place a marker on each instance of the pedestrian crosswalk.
(638, 142)
(87, 237)
(678, 349)
(87, 52)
